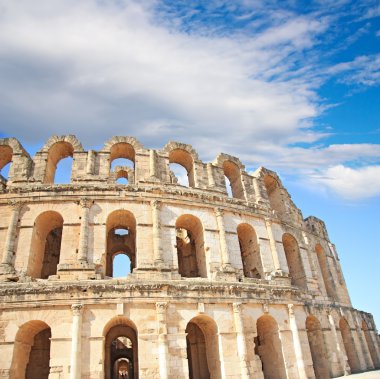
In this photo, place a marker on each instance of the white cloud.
(98, 69)
(351, 183)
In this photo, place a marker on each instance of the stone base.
(76, 271)
(8, 273)
(147, 273)
(227, 273)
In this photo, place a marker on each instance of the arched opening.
(58, 152)
(190, 247)
(317, 348)
(6, 153)
(121, 350)
(31, 354)
(183, 158)
(122, 177)
(250, 252)
(268, 347)
(274, 194)
(349, 345)
(371, 346)
(121, 239)
(232, 172)
(322, 260)
(202, 348)
(46, 245)
(293, 258)
(121, 265)
(178, 175)
(122, 154)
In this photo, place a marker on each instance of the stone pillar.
(76, 330)
(90, 162)
(83, 239)
(241, 342)
(162, 339)
(222, 237)
(157, 250)
(297, 343)
(257, 190)
(341, 354)
(211, 181)
(152, 163)
(11, 235)
(276, 262)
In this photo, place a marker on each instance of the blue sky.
(289, 85)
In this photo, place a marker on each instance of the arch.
(202, 348)
(120, 345)
(120, 243)
(31, 353)
(293, 258)
(6, 154)
(269, 348)
(58, 151)
(46, 245)
(349, 345)
(323, 265)
(250, 251)
(122, 150)
(184, 159)
(317, 348)
(122, 174)
(273, 188)
(190, 247)
(232, 172)
(371, 346)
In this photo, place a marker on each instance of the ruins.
(223, 283)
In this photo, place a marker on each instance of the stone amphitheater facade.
(222, 286)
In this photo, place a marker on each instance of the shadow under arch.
(190, 247)
(46, 245)
(120, 243)
(58, 151)
(250, 251)
(31, 353)
(120, 345)
(293, 258)
(184, 159)
(268, 347)
(349, 345)
(6, 155)
(203, 348)
(317, 347)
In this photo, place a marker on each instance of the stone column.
(83, 239)
(90, 162)
(276, 262)
(222, 237)
(341, 354)
(256, 188)
(157, 250)
(162, 332)
(241, 342)
(297, 343)
(211, 181)
(76, 337)
(152, 163)
(11, 233)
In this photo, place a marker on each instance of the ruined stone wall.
(263, 282)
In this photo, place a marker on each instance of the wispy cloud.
(350, 183)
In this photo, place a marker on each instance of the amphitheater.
(224, 283)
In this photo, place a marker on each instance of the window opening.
(121, 266)
(63, 171)
(178, 174)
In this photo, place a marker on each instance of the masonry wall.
(293, 309)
